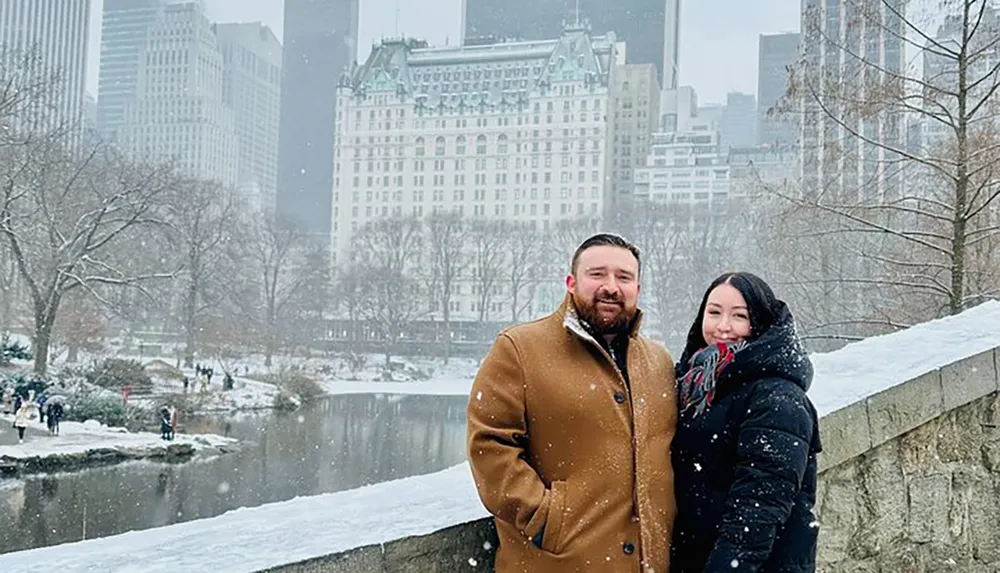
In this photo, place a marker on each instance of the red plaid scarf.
(697, 386)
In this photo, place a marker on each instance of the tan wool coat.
(560, 444)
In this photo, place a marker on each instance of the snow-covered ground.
(77, 437)
(252, 539)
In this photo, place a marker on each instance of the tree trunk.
(190, 323)
(446, 315)
(73, 352)
(42, 340)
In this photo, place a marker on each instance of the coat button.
(628, 548)
(619, 397)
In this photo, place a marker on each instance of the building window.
(439, 146)
(481, 145)
(502, 144)
(460, 145)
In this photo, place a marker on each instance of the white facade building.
(251, 56)
(56, 32)
(517, 131)
(178, 114)
(685, 168)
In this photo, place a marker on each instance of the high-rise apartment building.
(847, 46)
(941, 75)
(777, 54)
(320, 42)
(650, 28)
(517, 131)
(738, 124)
(251, 87)
(125, 26)
(178, 113)
(635, 105)
(55, 31)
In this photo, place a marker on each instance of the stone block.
(969, 379)
(902, 408)
(361, 560)
(918, 450)
(465, 547)
(928, 512)
(961, 433)
(984, 520)
(882, 502)
(846, 435)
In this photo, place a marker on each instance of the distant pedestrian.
(55, 416)
(187, 382)
(165, 423)
(24, 414)
(41, 408)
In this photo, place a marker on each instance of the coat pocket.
(554, 523)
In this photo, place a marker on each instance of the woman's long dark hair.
(761, 304)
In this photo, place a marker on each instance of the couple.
(595, 453)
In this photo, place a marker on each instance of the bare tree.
(525, 256)
(389, 250)
(919, 219)
(62, 212)
(81, 319)
(201, 215)
(288, 272)
(447, 237)
(487, 246)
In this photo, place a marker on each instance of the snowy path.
(252, 539)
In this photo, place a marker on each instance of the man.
(570, 421)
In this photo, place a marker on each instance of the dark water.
(339, 443)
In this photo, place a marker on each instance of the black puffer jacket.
(745, 469)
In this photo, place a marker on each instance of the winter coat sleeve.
(509, 487)
(773, 452)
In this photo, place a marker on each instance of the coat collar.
(571, 321)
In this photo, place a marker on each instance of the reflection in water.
(335, 444)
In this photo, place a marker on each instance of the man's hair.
(605, 240)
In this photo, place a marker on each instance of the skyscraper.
(57, 31)
(178, 113)
(124, 27)
(320, 38)
(648, 27)
(251, 87)
(635, 105)
(776, 54)
(738, 124)
(847, 46)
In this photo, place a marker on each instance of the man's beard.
(603, 324)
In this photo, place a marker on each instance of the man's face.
(605, 288)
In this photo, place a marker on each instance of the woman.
(744, 455)
(25, 413)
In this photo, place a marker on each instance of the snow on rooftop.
(875, 364)
(252, 539)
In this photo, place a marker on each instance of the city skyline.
(717, 56)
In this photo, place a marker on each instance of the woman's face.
(726, 318)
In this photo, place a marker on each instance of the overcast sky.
(718, 37)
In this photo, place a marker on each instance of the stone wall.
(909, 483)
(911, 480)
